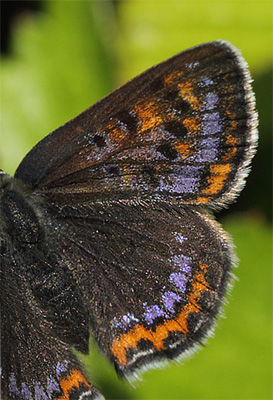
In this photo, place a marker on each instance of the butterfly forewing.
(182, 131)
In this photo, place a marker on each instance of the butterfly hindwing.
(153, 277)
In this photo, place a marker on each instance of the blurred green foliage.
(62, 62)
(73, 53)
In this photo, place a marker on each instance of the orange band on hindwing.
(73, 380)
(157, 337)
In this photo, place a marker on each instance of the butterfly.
(108, 226)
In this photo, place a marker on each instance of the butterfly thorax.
(17, 214)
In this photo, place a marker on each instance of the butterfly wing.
(153, 277)
(184, 130)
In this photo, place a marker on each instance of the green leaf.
(154, 30)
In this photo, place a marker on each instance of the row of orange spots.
(72, 381)
(231, 141)
(150, 116)
(217, 179)
(157, 337)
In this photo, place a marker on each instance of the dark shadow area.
(10, 11)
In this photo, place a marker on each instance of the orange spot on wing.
(71, 381)
(191, 124)
(231, 115)
(233, 126)
(183, 150)
(231, 151)
(171, 78)
(116, 135)
(203, 200)
(218, 177)
(157, 337)
(231, 140)
(149, 116)
(187, 93)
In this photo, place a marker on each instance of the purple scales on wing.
(185, 180)
(180, 238)
(25, 392)
(169, 299)
(211, 124)
(210, 101)
(13, 386)
(40, 393)
(208, 149)
(183, 262)
(61, 368)
(52, 386)
(152, 312)
(180, 263)
(179, 280)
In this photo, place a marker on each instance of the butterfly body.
(108, 225)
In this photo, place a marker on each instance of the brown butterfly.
(107, 225)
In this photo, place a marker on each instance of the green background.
(72, 53)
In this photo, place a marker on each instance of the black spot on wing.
(168, 151)
(156, 85)
(127, 119)
(176, 128)
(177, 102)
(113, 170)
(99, 140)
